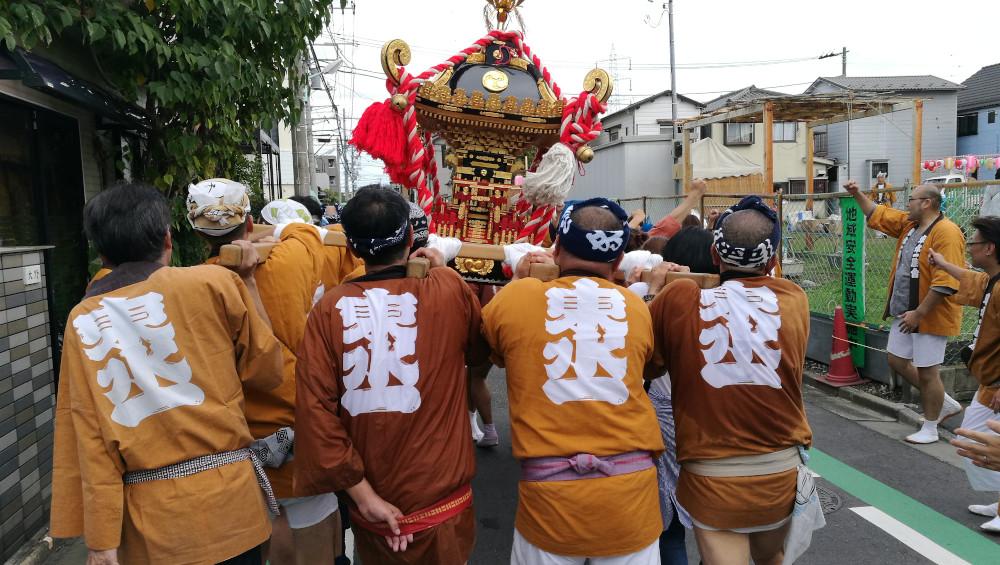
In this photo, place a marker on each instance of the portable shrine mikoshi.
(496, 107)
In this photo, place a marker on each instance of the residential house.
(327, 179)
(978, 106)
(633, 157)
(864, 147)
(747, 141)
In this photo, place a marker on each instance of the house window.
(798, 186)
(991, 117)
(820, 147)
(968, 124)
(613, 133)
(739, 134)
(877, 168)
(666, 128)
(784, 132)
(706, 132)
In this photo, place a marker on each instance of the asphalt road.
(894, 503)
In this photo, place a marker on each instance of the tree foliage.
(208, 73)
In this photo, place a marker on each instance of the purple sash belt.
(584, 466)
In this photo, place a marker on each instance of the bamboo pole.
(810, 167)
(769, 146)
(686, 160)
(918, 136)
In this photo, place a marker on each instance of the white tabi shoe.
(477, 433)
(993, 526)
(988, 510)
(950, 408)
(927, 434)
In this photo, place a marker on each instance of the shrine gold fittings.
(400, 102)
(599, 83)
(395, 54)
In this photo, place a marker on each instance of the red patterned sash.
(423, 519)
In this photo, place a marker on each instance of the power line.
(376, 43)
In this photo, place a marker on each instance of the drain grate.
(829, 500)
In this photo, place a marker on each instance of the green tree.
(208, 74)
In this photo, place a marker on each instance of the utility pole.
(339, 118)
(301, 134)
(673, 73)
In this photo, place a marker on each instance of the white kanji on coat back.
(742, 340)
(595, 318)
(137, 340)
(380, 334)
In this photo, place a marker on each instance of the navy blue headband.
(744, 256)
(594, 245)
(373, 245)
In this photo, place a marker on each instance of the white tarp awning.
(712, 160)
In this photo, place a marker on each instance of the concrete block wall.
(27, 400)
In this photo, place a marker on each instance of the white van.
(946, 179)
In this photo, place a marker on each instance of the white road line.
(910, 537)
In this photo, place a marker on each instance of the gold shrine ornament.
(495, 81)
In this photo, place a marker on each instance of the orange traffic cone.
(841, 371)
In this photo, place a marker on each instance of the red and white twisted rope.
(580, 125)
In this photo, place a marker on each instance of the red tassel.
(399, 175)
(379, 133)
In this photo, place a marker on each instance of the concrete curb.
(34, 551)
(902, 413)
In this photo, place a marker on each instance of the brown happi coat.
(153, 373)
(985, 361)
(746, 401)
(382, 396)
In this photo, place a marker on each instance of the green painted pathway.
(949, 534)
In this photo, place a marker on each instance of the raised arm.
(695, 191)
(938, 260)
(867, 206)
(669, 225)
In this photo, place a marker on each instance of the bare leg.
(280, 549)
(723, 548)
(315, 544)
(931, 391)
(768, 548)
(480, 392)
(905, 369)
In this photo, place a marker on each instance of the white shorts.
(976, 416)
(924, 350)
(307, 511)
(524, 553)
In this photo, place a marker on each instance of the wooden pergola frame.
(814, 111)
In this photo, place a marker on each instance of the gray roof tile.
(891, 84)
(982, 89)
(742, 95)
